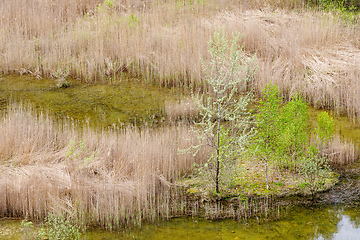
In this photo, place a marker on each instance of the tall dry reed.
(183, 109)
(107, 178)
(340, 151)
(313, 53)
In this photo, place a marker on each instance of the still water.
(102, 105)
(327, 222)
(332, 222)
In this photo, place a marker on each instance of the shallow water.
(120, 102)
(347, 129)
(333, 222)
(327, 222)
(101, 104)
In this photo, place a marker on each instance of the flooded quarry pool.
(335, 216)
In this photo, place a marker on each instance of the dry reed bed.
(185, 110)
(340, 152)
(316, 54)
(107, 178)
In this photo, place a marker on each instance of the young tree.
(325, 128)
(294, 137)
(315, 170)
(282, 135)
(224, 118)
(268, 126)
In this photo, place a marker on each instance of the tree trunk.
(266, 172)
(218, 152)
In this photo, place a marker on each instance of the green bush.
(315, 170)
(346, 9)
(294, 135)
(282, 138)
(346, 4)
(58, 227)
(325, 128)
(282, 130)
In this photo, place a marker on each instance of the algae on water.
(100, 105)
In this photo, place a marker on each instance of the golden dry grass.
(108, 178)
(340, 152)
(314, 53)
(183, 109)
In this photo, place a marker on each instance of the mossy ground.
(250, 181)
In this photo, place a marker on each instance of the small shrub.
(58, 227)
(26, 228)
(78, 154)
(315, 169)
(325, 128)
(62, 83)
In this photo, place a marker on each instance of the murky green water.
(101, 105)
(347, 129)
(333, 222)
(328, 222)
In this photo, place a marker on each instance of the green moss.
(251, 181)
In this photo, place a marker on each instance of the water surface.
(326, 222)
(124, 101)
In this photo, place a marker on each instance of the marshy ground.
(72, 57)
